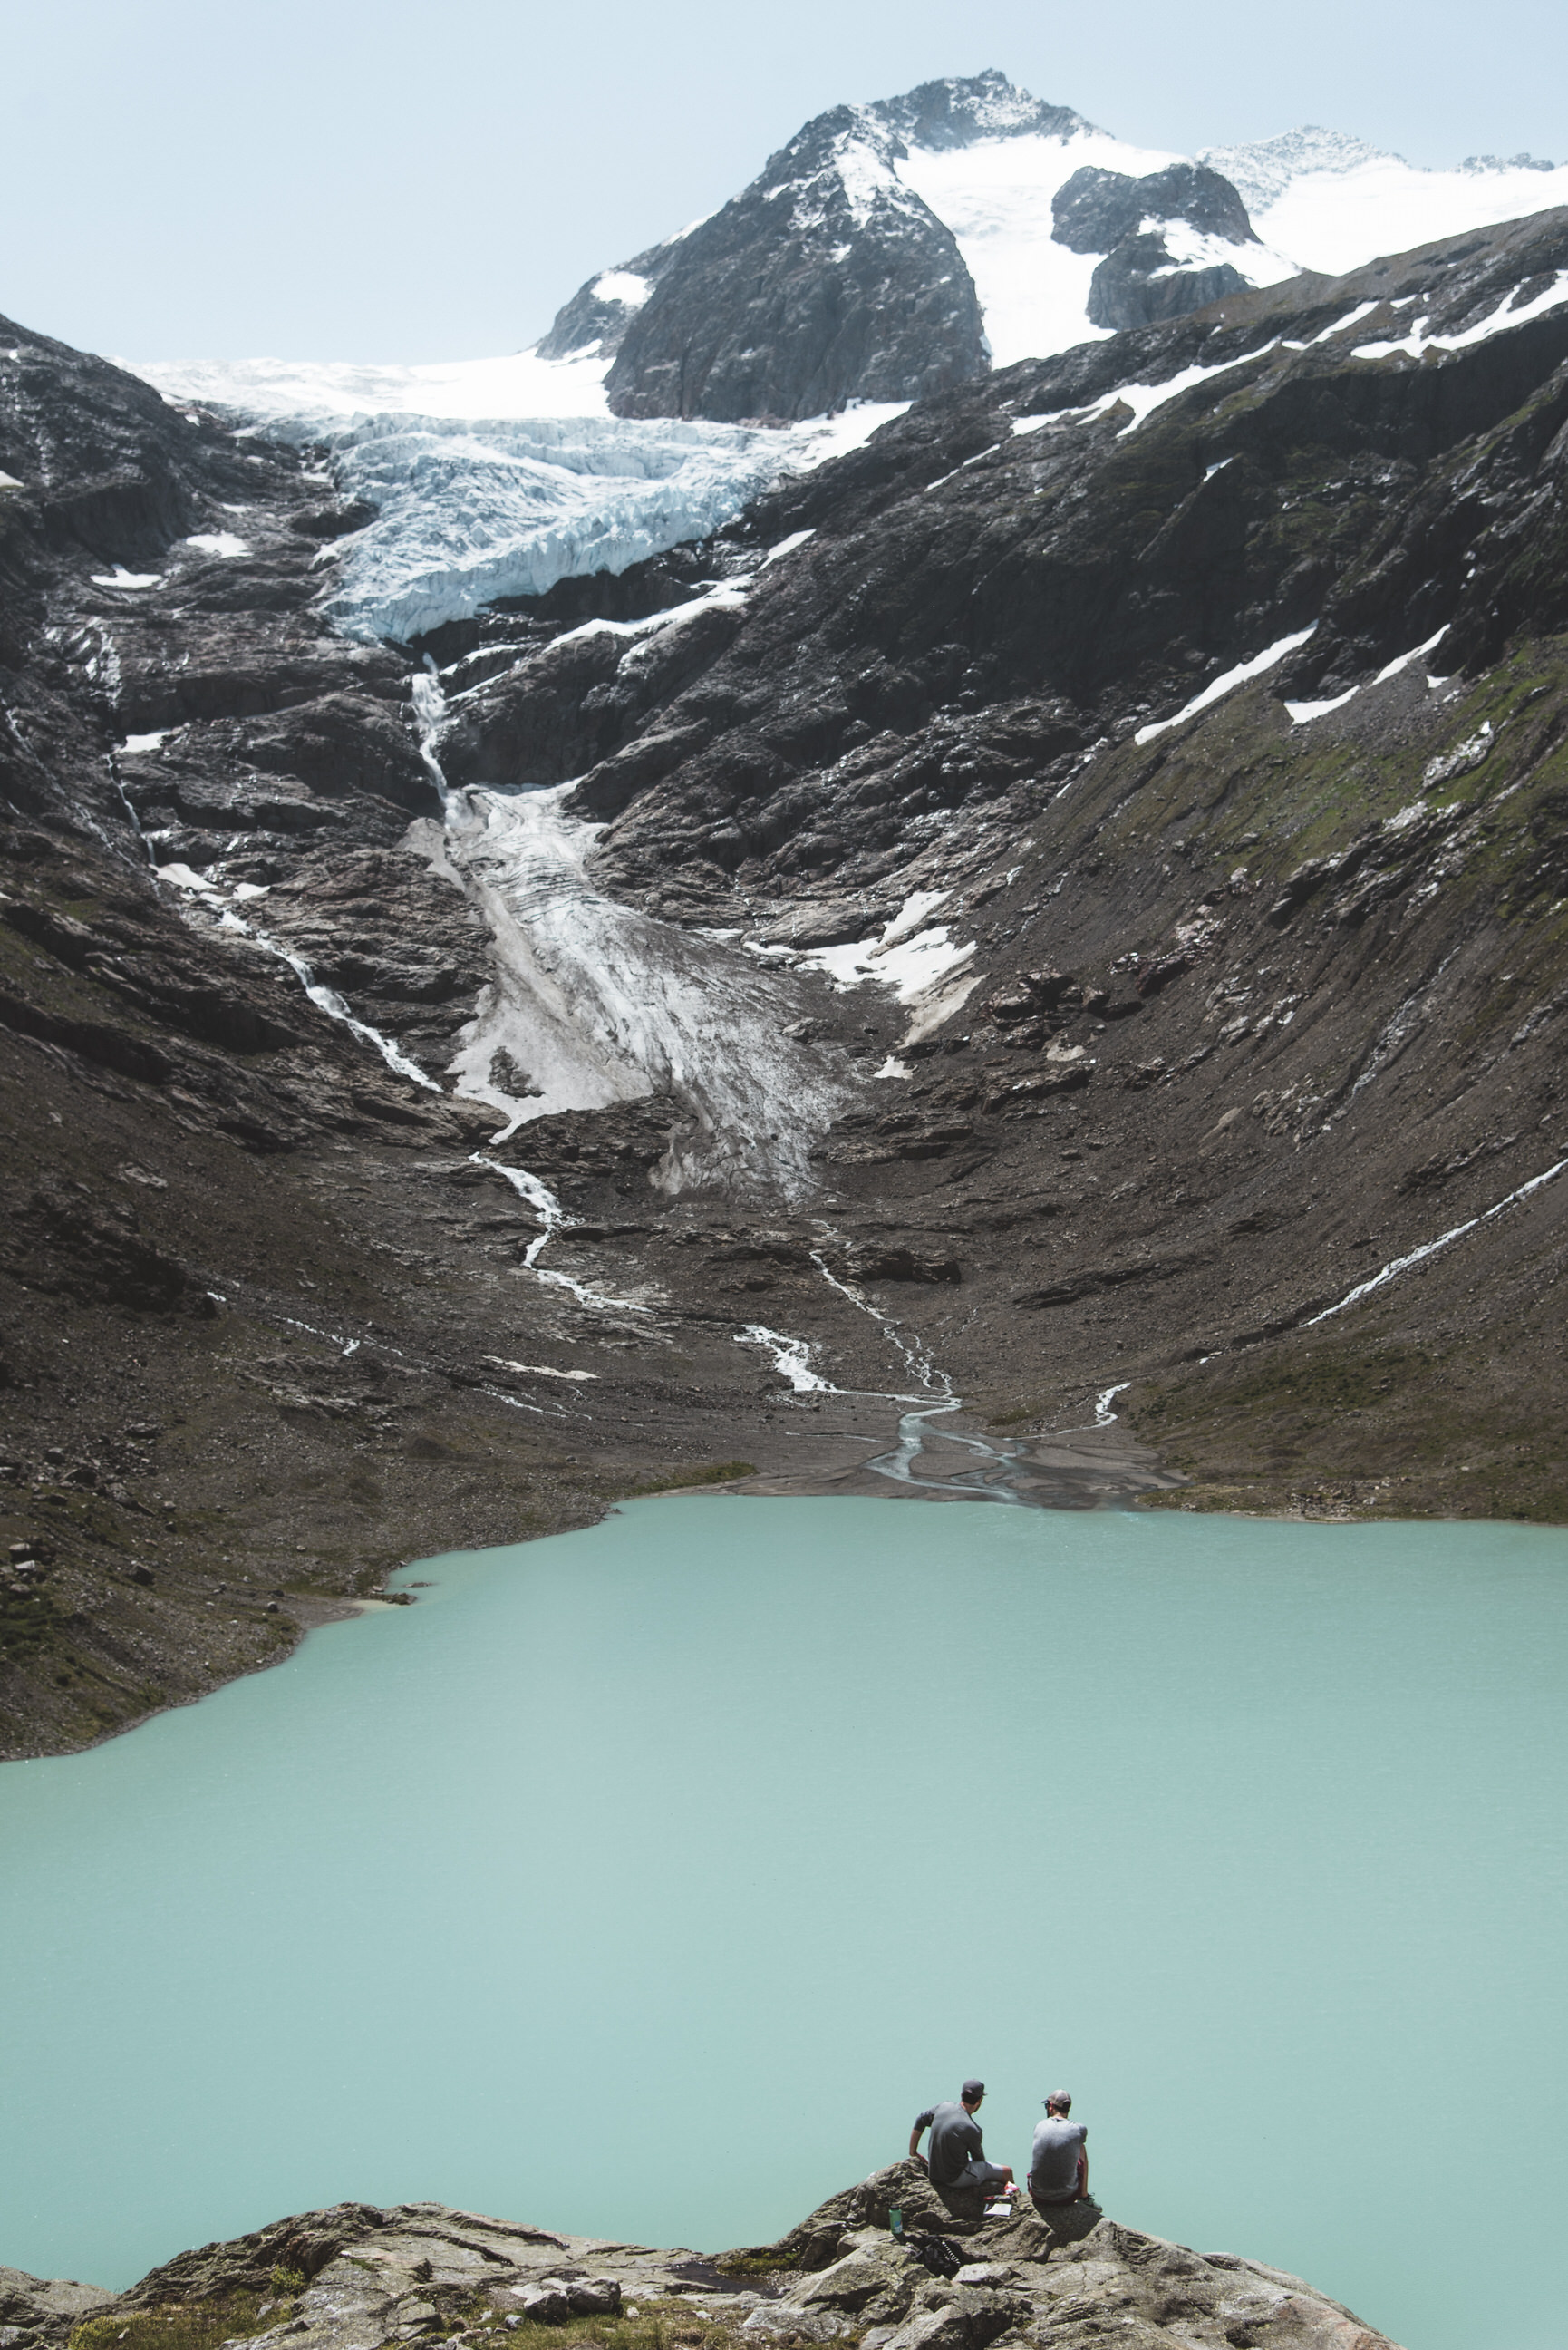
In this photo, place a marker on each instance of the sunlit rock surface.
(356, 2278)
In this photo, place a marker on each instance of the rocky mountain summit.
(1062, 905)
(356, 2277)
(832, 278)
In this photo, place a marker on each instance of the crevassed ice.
(470, 511)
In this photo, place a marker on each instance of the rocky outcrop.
(826, 280)
(1132, 221)
(46, 2310)
(1095, 209)
(356, 2278)
(1139, 284)
(594, 322)
(97, 462)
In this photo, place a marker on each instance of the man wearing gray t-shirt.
(1059, 2163)
(958, 2168)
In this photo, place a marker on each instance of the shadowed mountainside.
(1055, 901)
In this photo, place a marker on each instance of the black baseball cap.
(972, 2092)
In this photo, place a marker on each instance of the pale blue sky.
(339, 179)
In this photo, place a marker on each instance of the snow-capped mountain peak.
(1260, 172)
(890, 248)
(959, 113)
(888, 251)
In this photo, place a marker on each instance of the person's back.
(956, 2140)
(1059, 2161)
(957, 2166)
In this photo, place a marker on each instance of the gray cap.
(1059, 2098)
(972, 2092)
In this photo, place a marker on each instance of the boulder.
(548, 2302)
(785, 2322)
(594, 2296)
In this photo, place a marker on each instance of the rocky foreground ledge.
(356, 2278)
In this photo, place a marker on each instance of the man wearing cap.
(1059, 2162)
(958, 2168)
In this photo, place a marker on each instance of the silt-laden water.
(648, 1881)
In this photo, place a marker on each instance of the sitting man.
(958, 2168)
(1059, 2163)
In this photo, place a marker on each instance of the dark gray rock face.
(1139, 286)
(1140, 283)
(1095, 211)
(693, 337)
(827, 280)
(597, 316)
(104, 463)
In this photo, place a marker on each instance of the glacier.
(1334, 203)
(469, 511)
(520, 384)
(995, 196)
(497, 477)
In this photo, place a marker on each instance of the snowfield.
(1333, 221)
(995, 196)
(520, 385)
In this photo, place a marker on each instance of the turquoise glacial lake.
(648, 1881)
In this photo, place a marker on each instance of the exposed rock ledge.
(354, 2278)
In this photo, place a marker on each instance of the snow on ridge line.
(1142, 399)
(1301, 713)
(1261, 172)
(1242, 674)
(1501, 321)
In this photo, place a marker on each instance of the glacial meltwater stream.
(649, 1881)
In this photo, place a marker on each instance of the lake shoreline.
(1087, 1469)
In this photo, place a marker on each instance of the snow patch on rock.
(1269, 657)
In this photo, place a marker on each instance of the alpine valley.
(955, 792)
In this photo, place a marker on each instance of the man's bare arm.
(916, 2135)
(1083, 2174)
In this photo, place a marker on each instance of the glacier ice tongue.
(467, 511)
